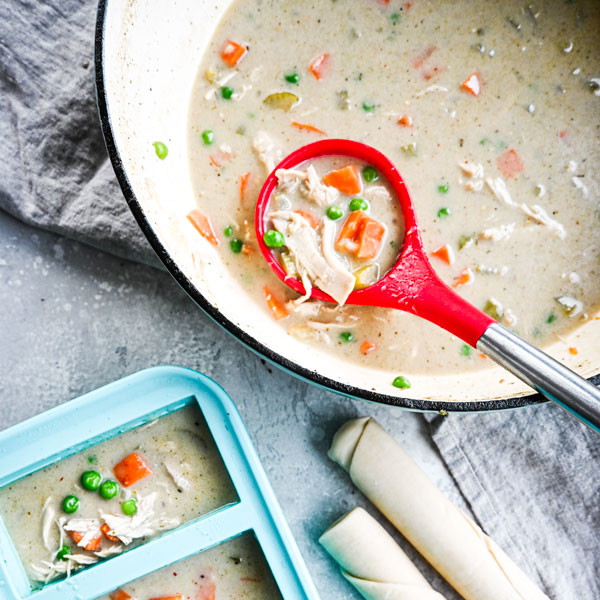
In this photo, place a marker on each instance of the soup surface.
(491, 113)
(236, 569)
(115, 495)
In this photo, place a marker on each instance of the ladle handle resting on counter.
(544, 374)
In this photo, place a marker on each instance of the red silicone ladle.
(413, 286)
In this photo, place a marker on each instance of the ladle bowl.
(413, 286)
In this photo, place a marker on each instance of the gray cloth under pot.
(529, 476)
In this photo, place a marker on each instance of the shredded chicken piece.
(305, 334)
(268, 153)
(471, 169)
(535, 212)
(580, 185)
(143, 523)
(88, 528)
(322, 268)
(177, 476)
(48, 522)
(474, 171)
(431, 88)
(110, 551)
(316, 191)
(496, 234)
(310, 185)
(377, 193)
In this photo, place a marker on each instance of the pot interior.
(149, 56)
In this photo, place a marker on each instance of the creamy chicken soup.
(490, 111)
(236, 569)
(335, 224)
(115, 495)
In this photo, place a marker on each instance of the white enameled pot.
(147, 56)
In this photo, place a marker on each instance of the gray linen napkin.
(54, 171)
(530, 476)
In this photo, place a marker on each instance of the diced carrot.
(233, 52)
(472, 84)
(105, 530)
(306, 127)
(510, 164)
(573, 350)
(466, 277)
(247, 249)
(119, 595)
(444, 253)
(408, 5)
(405, 121)
(360, 235)
(314, 222)
(346, 180)
(91, 546)
(131, 469)
(244, 182)
(346, 240)
(175, 597)
(420, 59)
(203, 226)
(318, 67)
(370, 238)
(482, 355)
(276, 306)
(367, 348)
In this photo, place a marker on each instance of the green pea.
(273, 239)
(443, 213)
(129, 507)
(465, 350)
(226, 92)
(236, 245)
(368, 107)
(228, 231)
(370, 174)
(161, 150)
(334, 213)
(358, 204)
(208, 137)
(443, 188)
(90, 480)
(62, 553)
(401, 382)
(109, 489)
(292, 77)
(347, 336)
(70, 504)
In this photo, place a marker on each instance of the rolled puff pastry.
(452, 543)
(372, 561)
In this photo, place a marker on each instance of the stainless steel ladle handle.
(544, 374)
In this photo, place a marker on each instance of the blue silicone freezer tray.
(118, 407)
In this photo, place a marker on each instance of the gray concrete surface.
(73, 319)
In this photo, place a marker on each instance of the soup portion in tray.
(235, 569)
(115, 495)
(491, 113)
